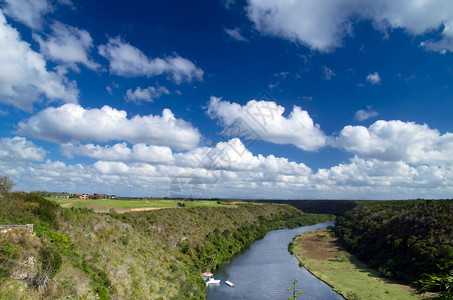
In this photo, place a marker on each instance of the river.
(265, 271)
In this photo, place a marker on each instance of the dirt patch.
(124, 210)
(319, 245)
(144, 208)
(67, 204)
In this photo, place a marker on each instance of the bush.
(7, 250)
(51, 261)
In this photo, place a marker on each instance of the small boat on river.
(229, 283)
(212, 281)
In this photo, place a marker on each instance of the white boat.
(212, 281)
(229, 283)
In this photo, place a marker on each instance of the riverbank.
(319, 253)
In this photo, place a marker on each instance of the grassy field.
(126, 205)
(319, 253)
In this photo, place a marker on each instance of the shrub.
(7, 250)
(51, 260)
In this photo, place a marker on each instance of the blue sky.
(299, 99)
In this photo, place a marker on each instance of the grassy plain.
(320, 254)
(127, 205)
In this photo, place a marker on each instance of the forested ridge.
(406, 240)
(160, 254)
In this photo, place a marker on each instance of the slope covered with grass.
(77, 254)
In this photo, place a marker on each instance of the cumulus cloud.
(20, 149)
(236, 34)
(28, 12)
(120, 152)
(264, 120)
(374, 78)
(398, 141)
(73, 122)
(386, 179)
(226, 161)
(147, 95)
(362, 115)
(68, 45)
(322, 24)
(236, 175)
(24, 78)
(127, 60)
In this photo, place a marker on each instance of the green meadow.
(318, 252)
(122, 205)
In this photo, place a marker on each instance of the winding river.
(265, 271)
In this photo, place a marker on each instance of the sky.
(290, 99)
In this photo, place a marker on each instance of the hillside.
(76, 253)
(334, 207)
(401, 239)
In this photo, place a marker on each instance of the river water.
(265, 271)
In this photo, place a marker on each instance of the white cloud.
(19, 149)
(113, 86)
(445, 43)
(120, 152)
(68, 45)
(264, 120)
(362, 115)
(398, 141)
(73, 122)
(127, 60)
(28, 12)
(147, 95)
(361, 178)
(236, 34)
(322, 24)
(227, 169)
(24, 78)
(374, 78)
(233, 155)
(239, 175)
(328, 73)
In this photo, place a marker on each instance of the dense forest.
(408, 240)
(160, 254)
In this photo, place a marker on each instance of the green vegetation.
(6, 184)
(319, 253)
(441, 285)
(334, 207)
(124, 205)
(76, 253)
(294, 291)
(407, 240)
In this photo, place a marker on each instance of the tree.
(440, 284)
(6, 184)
